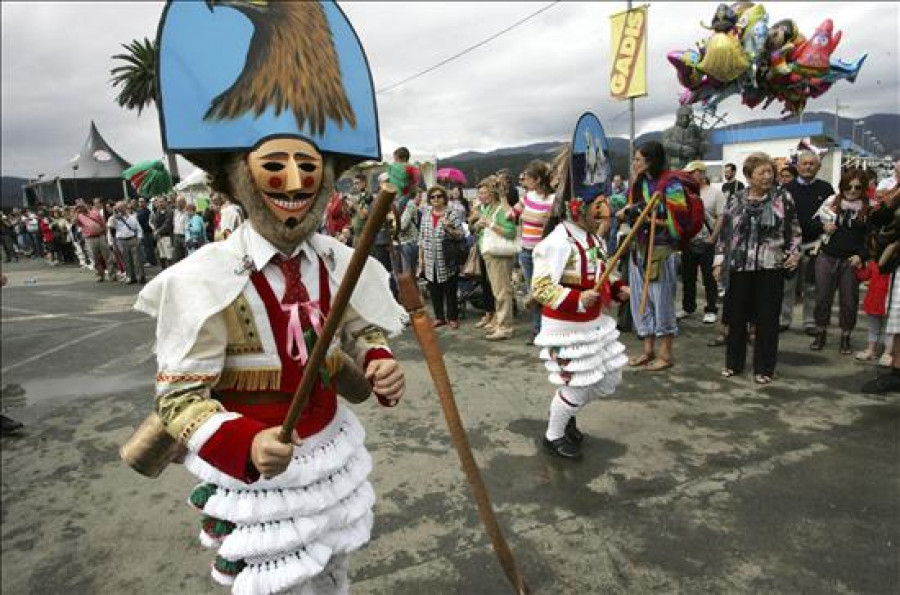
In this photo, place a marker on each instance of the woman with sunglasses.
(440, 227)
(843, 250)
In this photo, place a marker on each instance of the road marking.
(34, 317)
(65, 345)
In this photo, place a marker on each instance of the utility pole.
(631, 129)
(837, 121)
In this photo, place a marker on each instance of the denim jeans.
(526, 260)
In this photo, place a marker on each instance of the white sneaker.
(682, 314)
(886, 360)
(710, 318)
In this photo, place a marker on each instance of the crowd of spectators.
(785, 236)
(116, 240)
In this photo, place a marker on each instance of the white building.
(781, 140)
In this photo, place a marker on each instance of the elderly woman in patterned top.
(759, 244)
(440, 229)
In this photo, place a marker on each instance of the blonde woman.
(494, 216)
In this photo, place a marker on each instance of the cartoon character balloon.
(745, 55)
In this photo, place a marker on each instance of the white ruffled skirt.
(291, 533)
(584, 356)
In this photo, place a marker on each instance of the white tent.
(195, 181)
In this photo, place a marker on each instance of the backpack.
(684, 207)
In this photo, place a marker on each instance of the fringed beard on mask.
(287, 235)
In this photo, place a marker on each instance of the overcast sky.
(527, 86)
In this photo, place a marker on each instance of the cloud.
(526, 86)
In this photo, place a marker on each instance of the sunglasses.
(854, 187)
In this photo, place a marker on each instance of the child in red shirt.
(874, 305)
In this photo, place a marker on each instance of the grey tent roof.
(96, 159)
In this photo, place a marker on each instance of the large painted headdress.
(590, 169)
(235, 72)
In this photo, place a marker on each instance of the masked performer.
(237, 320)
(579, 342)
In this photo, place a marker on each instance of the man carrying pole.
(243, 323)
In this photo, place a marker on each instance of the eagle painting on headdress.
(291, 65)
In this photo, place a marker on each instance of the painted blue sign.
(233, 72)
(591, 168)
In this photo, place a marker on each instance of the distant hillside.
(11, 191)
(477, 165)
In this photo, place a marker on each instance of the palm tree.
(137, 79)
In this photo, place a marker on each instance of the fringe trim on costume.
(351, 537)
(575, 365)
(221, 578)
(249, 506)
(317, 457)
(280, 574)
(250, 379)
(271, 538)
(208, 542)
(576, 379)
(563, 338)
(570, 352)
(200, 495)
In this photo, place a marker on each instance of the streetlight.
(855, 124)
(75, 179)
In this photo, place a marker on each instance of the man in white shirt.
(701, 251)
(179, 222)
(128, 235)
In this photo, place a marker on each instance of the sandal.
(728, 373)
(762, 379)
(641, 360)
(658, 365)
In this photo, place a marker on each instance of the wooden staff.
(646, 291)
(434, 358)
(611, 264)
(377, 215)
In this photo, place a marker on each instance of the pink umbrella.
(451, 174)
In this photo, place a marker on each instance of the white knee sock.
(561, 411)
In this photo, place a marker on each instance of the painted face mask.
(288, 174)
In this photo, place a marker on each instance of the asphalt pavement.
(691, 483)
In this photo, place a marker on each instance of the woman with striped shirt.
(533, 211)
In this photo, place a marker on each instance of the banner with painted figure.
(628, 71)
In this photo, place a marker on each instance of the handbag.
(472, 266)
(493, 244)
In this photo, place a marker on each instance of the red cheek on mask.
(276, 182)
(309, 182)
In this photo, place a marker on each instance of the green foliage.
(136, 76)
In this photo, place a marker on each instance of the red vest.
(321, 407)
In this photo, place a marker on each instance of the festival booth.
(96, 171)
(194, 189)
(782, 141)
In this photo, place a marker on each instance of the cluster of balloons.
(761, 62)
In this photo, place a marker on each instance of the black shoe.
(845, 348)
(143, 281)
(562, 447)
(9, 426)
(819, 342)
(886, 383)
(530, 342)
(811, 331)
(132, 282)
(783, 327)
(573, 433)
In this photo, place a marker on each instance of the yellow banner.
(628, 75)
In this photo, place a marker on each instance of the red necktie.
(296, 304)
(294, 291)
